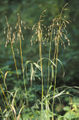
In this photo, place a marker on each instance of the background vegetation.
(28, 12)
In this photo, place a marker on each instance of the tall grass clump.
(56, 33)
(39, 33)
(52, 36)
(15, 34)
(11, 39)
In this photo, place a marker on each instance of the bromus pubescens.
(39, 33)
(14, 36)
(55, 33)
(20, 38)
(11, 38)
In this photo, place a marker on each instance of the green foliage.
(32, 78)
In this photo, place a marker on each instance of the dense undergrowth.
(28, 88)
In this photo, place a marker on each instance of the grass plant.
(56, 33)
(11, 39)
(40, 54)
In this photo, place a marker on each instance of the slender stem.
(40, 50)
(21, 58)
(57, 38)
(40, 55)
(4, 94)
(14, 59)
(49, 59)
(56, 57)
(22, 63)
